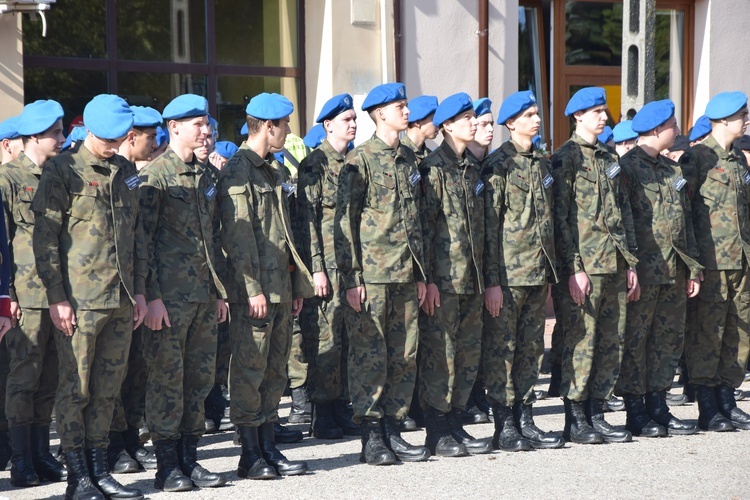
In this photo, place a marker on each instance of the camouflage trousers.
(4, 369)
(653, 339)
(297, 367)
(557, 293)
(130, 407)
(717, 341)
(181, 362)
(93, 362)
(32, 381)
(383, 351)
(223, 353)
(593, 340)
(449, 350)
(325, 335)
(257, 371)
(513, 345)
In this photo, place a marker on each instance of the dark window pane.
(72, 89)
(529, 58)
(75, 28)
(593, 33)
(668, 57)
(157, 89)
(150, 30)
(256, 32)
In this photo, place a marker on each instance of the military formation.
(145, 267)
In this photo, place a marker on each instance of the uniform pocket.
(83, 203)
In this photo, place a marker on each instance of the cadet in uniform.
(595, 242)
(421, 128)
(716, 342)
(87, 223)
(668, 273)
(379, 251)
(267, 282)
(185, 295)
(519, 263)
(624, 136)
(451, 338)
(32, 381)
(480, 146)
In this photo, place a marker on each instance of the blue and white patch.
(415, 177)
(478, 188)
(210, 192)
(289, 188)
(746, 177)
(679, 183)
(548, 181)
(613, 170)
(133, 182)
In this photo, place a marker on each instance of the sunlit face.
(278, 133)
(737, 123)
(526, 124)
(395, 114)
(203, 152)
(143, 142)
(428, 128)
(49, 143)
(190, 132)
(592, 120)
(667, 132)
(343, 126)
(462, 127)
(485, 130)
(103, 148)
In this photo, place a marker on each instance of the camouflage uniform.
(717, 343)
(520, 258)
(90, 250)
(420, 152)
(594, 233)
(32, 381)
(666, 250)
(257, 238)
(130, 407)
(453, 224)
(379, 245)
(181, 223)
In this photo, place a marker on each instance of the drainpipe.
(483, 33)
(397, 39)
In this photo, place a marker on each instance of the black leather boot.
(555, 380)
(117, 458)
(537, 438)
(274, 457)
(5, 450)
(709, 416)
(676, 399)
(136, 450)
(656, 404)
(374, 449)
(187, 454)
(439, 440)
(408, 424)
(323, 426)
(403, 450)
(342, 416)
(169, 477)
(577, 429)
(252, 464)
(22, 473)
(614, 404)
(596, 419)
(474, 413)
(80, 485)
(506, 435)
(638, 421)
(728, 407)
(285, 435)
(301, 412)
(472, 445)
(46, 466)
(97, 460)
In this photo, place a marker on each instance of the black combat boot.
(555, 380)
(323, 426)
(5, 450)
(728, 407)
(403, 450)
(301, 412)
(709, 416)
(537, 438)
(117, 458)
(187, 454)
(506, 435)
(80, 485)
(46, 466)
(676, 399)
(215, 406)
(638, 421)
(22, 473)
(342, 416)
(439, 440)
(472, 445)
(595, 416)
(285, 435)
(656, 404)
(477, 409)
(577, 429)
(136, 450)
(614, 404)
(169, 477)
(252, 464)
(274, 457)
(97, 460)
(374, 449)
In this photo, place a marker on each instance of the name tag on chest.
(679, 183)
(548, 181)
(746, 177)
(613, 170)
(478, 188)
(289, 188)
(133, 182)
(210, 192)
(415, 177)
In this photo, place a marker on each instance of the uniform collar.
(645, 156)
(331, 153)
(722, 153)
(451, 155)
(89, 158)
(28, 165)
(584, 143)
(251, 155)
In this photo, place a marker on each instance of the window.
(532, 63)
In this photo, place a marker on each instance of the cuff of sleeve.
(253, 288)
(491, 280)
(139, 286)
(13, 296)
(5, 307)
(318, 265)
(695, 274)
(56, 295)
(152, 293)
(354, 280)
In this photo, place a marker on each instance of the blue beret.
(226, 149)
(725, 104)
(586, 98)
(451, 106)
(108, 116)
(243, 130)
(482, 106)
(623, 131)
(383, 94)
(38, 117)
(9, 129)
(146, 117)
(162, 135)
(267, 106)
(652, 115)
(515, 104)
(279, 157)
(76, 135)
(606, 135)
(314, 136)
(185, 106)
(537, 141)
(702, 127)
(214, 125)
(421, 107)
(335, 106)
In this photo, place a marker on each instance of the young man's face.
(462, 127)
(485, 130)
(592, 120)
(737, 123)
(144, 143)
(343, 126)
(526, 125)
(278, 133)
(103, 148)
(428, 128)
(51, 140)
(668, 132)
(203, 152)
(190, 132)
(395, 115)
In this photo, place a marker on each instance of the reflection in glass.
(593, 33)
(72, 89)
(157, 89)
(75, 28)
(668, 57)
(530, 59)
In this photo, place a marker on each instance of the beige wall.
(11, 66)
